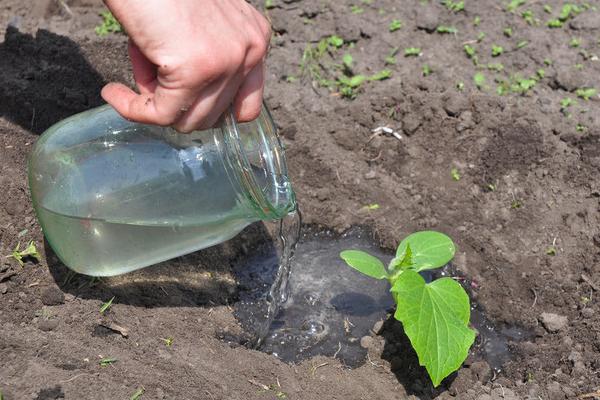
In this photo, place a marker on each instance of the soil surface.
(522, 202)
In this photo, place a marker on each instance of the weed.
(168, 341)
(479, 80)
(137, 395)
(446, 29)
(435, 315)
(29, 251)
(107, 361)
(497, 50)
(586, 93)
(109, 24)
(514, 4)
(395, 25)
(354, 9)
(412, 52)
(391, 57)
(454, 6)
(106, 306)
(455, 174)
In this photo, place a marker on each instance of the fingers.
(248, 101)
(144, 72)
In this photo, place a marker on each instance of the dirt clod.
(553, 322)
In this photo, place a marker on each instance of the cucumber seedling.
(435, 315)
(109, 24)
(29, 251)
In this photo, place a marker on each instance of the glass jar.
(113, 196)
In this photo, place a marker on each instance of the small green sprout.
(391, 57)
(29, 251)
(516, 204)
(529, 17)
(348, 60)
(491, 187)
(446, 29)
(578, 66)
(395, 25)
(476, 20)
(354, 9)
(575, 42)
(508, 32)
(586, 93)
(514, 4)
(522, 44)
(455, 174)
(269, 4)
(137, 395)
(109, 24)
(480, 36)
(381, 75)
(427, 70)
(168, 341)
(496, 67)
(541, 73)
(569, 10)
(460, 86)
(470, 51)
(548, 62)
(548, 8)
(581, 128)
(107, 361)
(524, 84)
(566, 103)
(479, 80)
(335, 41)
(554, 23)
(371, 207)
(551, 251)
(435, 315)
(412, 52)
(454, 6)
(106, 306)
(497, 50)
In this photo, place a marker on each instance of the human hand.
(191, 60)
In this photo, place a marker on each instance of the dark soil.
(524, 213)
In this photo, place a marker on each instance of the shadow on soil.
(199, 279)
(44, 79)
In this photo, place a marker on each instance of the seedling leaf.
(138, 394)
(429, 250)
(335, 41)
(107, 361)
(365, 263)
(29, 251)
(106, 305)
(109, 24)
(381, 75)
(435, 318)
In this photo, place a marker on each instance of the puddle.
(331, 306)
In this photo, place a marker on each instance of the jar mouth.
(263, 170)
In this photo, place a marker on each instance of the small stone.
(553, 322)
(481, 370)
(554, 391)
(52, 296)
(461, 383)
(377, 327)
(366, 342)
(371, 175)
(69, 297)
(3, 288)
(47, 325)
(587, 312)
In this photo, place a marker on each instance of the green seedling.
(529, 17)
(455, 174)
(109, 24)
(29, 252)
(508, 32)
(586, 93)
(548, 62)
(514, 4)
(541, 73)
(395, 25)
(371, 207)
(348, 60)
(1, 395)
(551, 251)
(581, 128)
(105, 362)
(516, 204)
(137, 395)
(168, 341)
(435, 315)
(548, 8)
(412, 52)
(480, 36)
(391, 57)
(269, 4)
(446, 29)
(460, 86)
(335, 41)
(471, 53)
(356, 9)
(522, 44)
(497, 50)
(496, 67)
(106, 306)
(575, 42)
(566, 103)
(569, 10)
(427, 70)
(348, 85)
(491, 187)
(454, 6)
(479, 80)
(578, 66)
(554, 23)
(476, 20)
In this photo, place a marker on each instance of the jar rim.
(280, 199)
